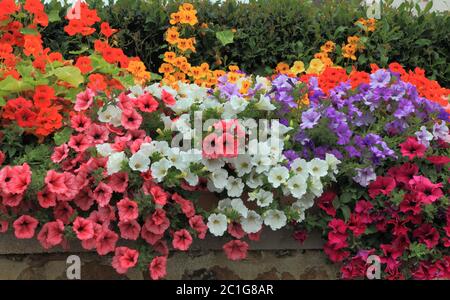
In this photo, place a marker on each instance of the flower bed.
(94, 151)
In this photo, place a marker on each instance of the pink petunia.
(63, 211)
(84, 100)
(118, 182)
(46, 198)
(80, 122)
(167, 98)
(131, 119)
(98, 134)
(159, 195)
(197, 223)
(158, 267)
(24, 227)
(187, 207)
(106, 242)
(129, 230)
(128, 210)
(80, 142)
(182, 240)
(102, 194)
(157, 223)
(51, 234)
(55, 182)
(236, 250)
(147, 103)
(124, 259)
(235, 230)
(60, 153)
(83, 228)
(150, 237)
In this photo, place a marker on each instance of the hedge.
(270, 31)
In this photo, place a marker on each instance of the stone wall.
(277, 257)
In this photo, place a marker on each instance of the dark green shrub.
(270, 31)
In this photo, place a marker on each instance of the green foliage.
(270, 31)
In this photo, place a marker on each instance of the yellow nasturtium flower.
(298, 67)
(316, 66)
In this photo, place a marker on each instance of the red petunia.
(129, 230)
(411, 148)
(325, 202)
(159, 195)
(382, 185)
(427, 235)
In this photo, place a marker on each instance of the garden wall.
(275, 257)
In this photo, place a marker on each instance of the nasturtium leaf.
(29, 31)
(53, 16)
(12, 85)
(69, 74)
(63, 136)
(225, 37)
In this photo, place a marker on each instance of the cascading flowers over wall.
(92, 152)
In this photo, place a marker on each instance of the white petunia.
(318, 168)
(212, 188)
(219, 178)
(332, 162)
(316, 186)
(307, 201)
(278, 176)
(239, 206)
(111, 114)
(224, 204)
(191, 178)
(173, 155)
(235, 187)
(238, 104)
(254, 180)
(148, 148)
(300, 167)
(213, 164)
(139, 162)
(104, 150)
(115, 162)
(252, 223)
(264, 104)
(160, 169)
(242, 165)
(217, 224)
(275, 219)
(262, 163)
(298, 208)
(297, 186)
(264, 198)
